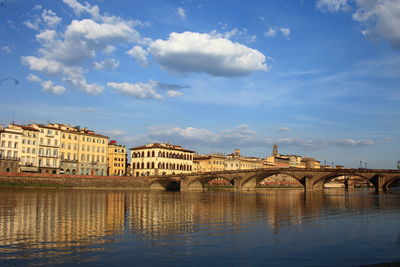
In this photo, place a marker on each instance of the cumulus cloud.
(65, 53)
(273, 32)
(47, 86)
(79, 9)
(181, 12)
(196, 52)
(107, 64)
(381, 19)
(139, 54)
(50, 18)
(354, 143)
(332, 5)
(137, 90)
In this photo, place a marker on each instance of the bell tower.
(275, 150)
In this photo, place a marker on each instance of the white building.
(160, 159)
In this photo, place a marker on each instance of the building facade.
(28, 149)
(10, 141)
(160, 159)
(209, 163)
(82, 150)
(116, 159)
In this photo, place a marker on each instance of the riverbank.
(71, 181)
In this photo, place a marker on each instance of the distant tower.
(275, 150)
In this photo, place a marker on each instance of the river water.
(214, 228)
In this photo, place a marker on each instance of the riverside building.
(10, 140)
(116, 159)
(29, 148)
(82, 150)
(160, 159)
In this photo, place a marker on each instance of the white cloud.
(115, 132)
(195, 52)
(47, 86)
(332, 5)
(173, 93)
(78, 8)
(80, 83)
(137, 90)
(285, 32)
(66, 53)
(109, 49)
(33, 78)
(271, 32)
(6, 49)
(139, 54)
(50, 18)
(107, 64)
(181, 12)
(284, 129)
(33, 24)
(381, 19)
(37, 7)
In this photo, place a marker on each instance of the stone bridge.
(311, 179)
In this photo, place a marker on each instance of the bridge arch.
(199, 183)
(321, 181)
(390, 182)
(252, 182)
(164, 184)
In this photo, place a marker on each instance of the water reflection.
(53, 223)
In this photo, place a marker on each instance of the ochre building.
(116, 159)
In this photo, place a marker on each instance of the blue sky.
(320, 78)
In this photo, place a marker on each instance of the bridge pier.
(308, 183)
(380, 183)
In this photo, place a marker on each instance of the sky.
(320, 78)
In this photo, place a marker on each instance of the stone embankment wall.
(62, 180)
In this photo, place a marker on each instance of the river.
(214, 228)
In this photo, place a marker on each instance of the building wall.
(210, 163)
(10, 142)
(49, 149)
(69, 151)
(116, 159)
(160, 160)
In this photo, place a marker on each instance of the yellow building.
(116, 159)
(82, 150)
(236, 161)
(209, 163)
(10, 141)
(160, 159)
(49, 152)
(29, 148)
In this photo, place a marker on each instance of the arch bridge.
(311, 179)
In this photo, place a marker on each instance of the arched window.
(159, 165)
(166, 166)
(148, 154)
(153, 153)
(159, 154)
(152, 164)
(148, 165)
(133, 165)
(142, 165)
